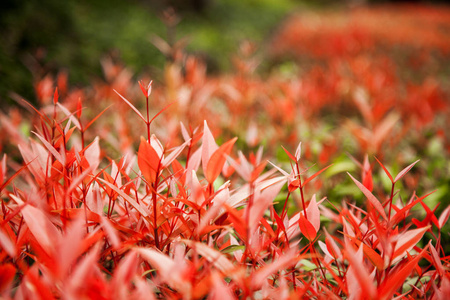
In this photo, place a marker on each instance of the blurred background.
(40, 37)
(47, 36)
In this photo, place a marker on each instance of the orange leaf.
(148, 161)
(408, 240)
(395, 280)
(217, 160)
(307, 228)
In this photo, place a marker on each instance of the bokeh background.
(39, 37)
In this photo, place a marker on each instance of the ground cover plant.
(243, 185)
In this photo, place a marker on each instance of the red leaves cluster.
(102, 212)
(159, 224)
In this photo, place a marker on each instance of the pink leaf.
(92, 154)
(436, 260)
(397, 279)
(261, 203)
(217, 160)
(367, 174)
(372, 199)
(444, 217)
(405, 170)
(408, 240)
(209, 146)
(40, 226)
(284, 261)
(217, 259)
(132, 106)
(8, 245)
(111, 233)
(313, 213)
(141, 209)
(174, 154)
(358, 278)
(170, 272)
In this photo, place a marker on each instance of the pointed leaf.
(217, 259)
(357, 275)
(405, 170)
(96, 117)
(132, 106)
(209, 146)
(148, 161)
(307, 228)
(385, 170)
(408, 240)
(436, 260)
(444, 217)
(372, 199)
(395, 280)
(314, 175)
(292, 157)
(40, 226)
(170, 272)
(217, 160)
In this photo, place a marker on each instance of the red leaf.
(395, 280)
(217, 160)
(407, 241)
(40, 226)
(399, 215)
(357, 275)
(55, 96)
(307, 228)
(289, 154)
(371, 254)
(385, 170)
(436, 260)
(372, 199)
(162, 110)
(367, 174)
(7, 273)
(148, 161)
(94, 119)
(405, 170)
(314, 175)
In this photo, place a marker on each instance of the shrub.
(197, 221)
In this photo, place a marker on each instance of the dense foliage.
(324, 178)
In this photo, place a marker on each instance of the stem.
(154, 201)
(247, 221)
(390, 201)
(148, 119)
(301, 190)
